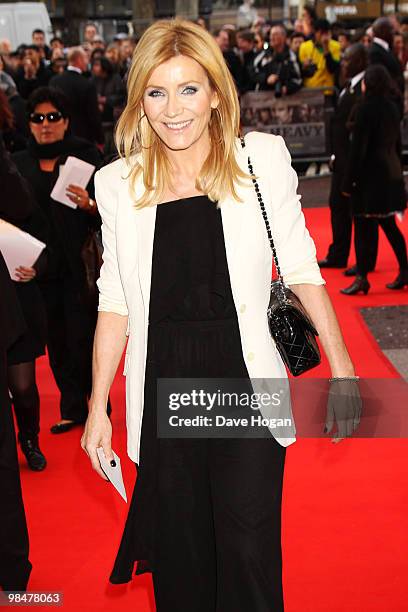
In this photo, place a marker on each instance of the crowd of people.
(57, 101)
(91, 75)
(279, 57)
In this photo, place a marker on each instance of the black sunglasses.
(51, 117)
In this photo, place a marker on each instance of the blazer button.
(242, 308)
(251, 356)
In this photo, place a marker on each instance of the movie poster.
(299, 118)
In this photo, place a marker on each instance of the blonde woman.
(186, 275)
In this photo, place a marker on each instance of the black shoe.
(400, 282)
(360, 284)
(330, 263)
(60, 428)
(35, 459)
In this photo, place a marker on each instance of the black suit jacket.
(83, 100)
(378, 55)
(340, 126)
(236, 69)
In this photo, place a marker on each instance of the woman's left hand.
(344, 407)
(24, 274)
(80, 197)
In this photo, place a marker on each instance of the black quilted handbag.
(289, 324)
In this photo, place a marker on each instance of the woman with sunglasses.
(70, 322)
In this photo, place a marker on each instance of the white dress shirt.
(382, 43)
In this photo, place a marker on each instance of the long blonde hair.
(134, 137)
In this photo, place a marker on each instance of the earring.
(219, 126)
(139, 133)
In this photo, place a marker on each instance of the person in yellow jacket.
(320, 57)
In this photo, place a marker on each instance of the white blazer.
(127, 233)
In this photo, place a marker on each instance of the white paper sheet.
(74, 172)
(18, 248)
(113, 473)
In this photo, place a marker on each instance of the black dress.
(193, 332)
(32, 344)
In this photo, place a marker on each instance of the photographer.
(277, 68)
(33, 72)
(320, 57)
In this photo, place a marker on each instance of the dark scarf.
(69, 145)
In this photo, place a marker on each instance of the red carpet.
(344, 512)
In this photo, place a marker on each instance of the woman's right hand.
(25, 274)
(97, 432)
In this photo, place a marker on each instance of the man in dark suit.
(82, 97)
(232, 60)
(380, 51)
(248, 52)
(354, 63)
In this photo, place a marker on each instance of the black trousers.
(366, 235)
(341, 222)
(71, 328)
(220, 526)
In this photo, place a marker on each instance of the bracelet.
(343, 378)
(91, 203)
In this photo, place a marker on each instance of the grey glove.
(344, 406)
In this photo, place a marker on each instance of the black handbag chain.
(289, 324)
(266, 220)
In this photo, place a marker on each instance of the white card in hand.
(18, 248)
(113, 473)
(75, 172)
